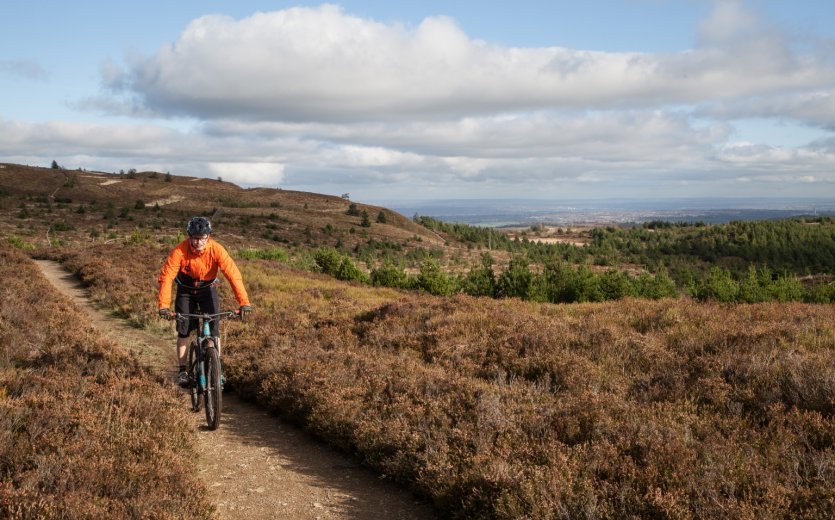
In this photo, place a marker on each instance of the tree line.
(743, 261)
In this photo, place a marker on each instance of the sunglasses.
(204, 238)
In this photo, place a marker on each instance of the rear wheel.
(194, 377)
(213, 393)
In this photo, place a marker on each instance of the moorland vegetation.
(85, 431)
(787, 260)
(511, 409)
(676, 407)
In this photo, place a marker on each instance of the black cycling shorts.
(199, 301)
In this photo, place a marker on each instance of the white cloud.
(322, 64)
(316, 98)
(814, 108)
(262, 174)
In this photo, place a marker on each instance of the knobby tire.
(194, 373)
(213, 393)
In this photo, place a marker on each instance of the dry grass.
(506, 409)
(84, 431)
(244, 217)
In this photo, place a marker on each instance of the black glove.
(246, 310)
(165, 314)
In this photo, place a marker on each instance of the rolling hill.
(76, 204)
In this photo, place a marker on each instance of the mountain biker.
(193, 264)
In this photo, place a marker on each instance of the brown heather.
(84, 431)
(506, 409)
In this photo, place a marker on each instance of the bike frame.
(203, 356)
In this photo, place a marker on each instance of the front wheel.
(213, 393)
(194, 377)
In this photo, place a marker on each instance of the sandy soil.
(254, 465)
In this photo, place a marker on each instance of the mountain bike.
(204, 368)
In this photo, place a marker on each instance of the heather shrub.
(85, 432)
(512, 409)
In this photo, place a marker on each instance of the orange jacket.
(200, 267)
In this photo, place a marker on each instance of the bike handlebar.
(225, 314)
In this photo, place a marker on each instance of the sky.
(391, 101)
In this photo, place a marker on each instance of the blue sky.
(431, 100)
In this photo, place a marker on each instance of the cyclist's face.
(198, 242)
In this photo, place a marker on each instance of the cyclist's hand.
(245, 311)
(165, 314)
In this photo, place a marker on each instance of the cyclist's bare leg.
(182, 350)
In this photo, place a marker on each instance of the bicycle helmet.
(199, 226)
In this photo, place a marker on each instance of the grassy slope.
(84, 431)
(501, 408)
(505, 409)
(246, 217)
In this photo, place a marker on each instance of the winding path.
(254, 465)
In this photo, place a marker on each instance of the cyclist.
(193, 265)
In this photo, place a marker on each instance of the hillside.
(786, 260)
(508, 409)
(82, 205)
(490, 408)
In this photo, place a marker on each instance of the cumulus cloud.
(323, 64)
(321, 99)
(263, 174)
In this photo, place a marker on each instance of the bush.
(562, 282)
(480, 280)
(615, 285)
(349, 272)
(327, 260)
(18, 243)
(433, 280)
(718, 285)
(517, 281)
(390, 275)
(655, 287)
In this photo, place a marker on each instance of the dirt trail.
(254, 465)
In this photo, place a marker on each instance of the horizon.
(526, 212)
(626, 98)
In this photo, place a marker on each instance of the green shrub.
(480, 280)
(434, 280)
(390, 275)
(718, 285)
(516, 281)
(19, 243)
(327, 260)
(349, 272)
